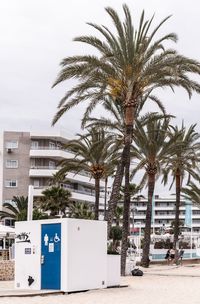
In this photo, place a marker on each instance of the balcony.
(43, 171)
(50, 152)
(164, 208)
(48, 171)
(77, 195)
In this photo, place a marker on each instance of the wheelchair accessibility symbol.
(56, 238)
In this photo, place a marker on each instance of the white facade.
(35, 159)
(1, 168)
(83, 254)
(163, 213)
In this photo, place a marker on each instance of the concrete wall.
(87, 254)
(113, 270)
(6, 270)
(21, 174)
(1, 169)
(28, 264)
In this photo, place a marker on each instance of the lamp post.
(106, 192)
(30, 203)
(191, 242)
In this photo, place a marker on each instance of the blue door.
(50, 256)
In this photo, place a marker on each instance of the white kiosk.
(61, 254)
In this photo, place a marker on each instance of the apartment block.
(163, 214)
(31, 158)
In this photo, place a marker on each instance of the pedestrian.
(180, 256)
(167, 256)
(172, 255)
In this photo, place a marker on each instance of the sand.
(159, 285)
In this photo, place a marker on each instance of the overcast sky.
(36, 34)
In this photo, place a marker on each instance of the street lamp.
(30, 203)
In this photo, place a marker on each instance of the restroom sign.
(56, 238)
(46, 239)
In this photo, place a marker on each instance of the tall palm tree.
(182, 163)
(192, 193)
(151, 145)
(55, 199)
(134, 190)
(95, 153)
(115, 124)
(130, 65)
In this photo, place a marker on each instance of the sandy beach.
(159, 285)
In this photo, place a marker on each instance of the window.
(12, 144)
(9, 222)
(36, 183)
(11, 183)
(11, 163)
(52, 145)
(34, 144)
(52, 164)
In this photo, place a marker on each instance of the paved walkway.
(159, 285)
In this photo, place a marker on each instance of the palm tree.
(95, 153)
(133, 190)
(181, 163)
(130, 65)
(151, 145)
(18, 210)
(57, 179)
(115, 124)
(192, 193)
(81, 211)
(55, 199)
(118, 215)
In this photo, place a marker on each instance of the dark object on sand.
(137, 272)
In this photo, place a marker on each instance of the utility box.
(61, 254)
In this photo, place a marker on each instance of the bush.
(116, 233)
(159, 245)
(112, 250)
(185, 245)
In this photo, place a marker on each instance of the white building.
(163, 213)
(31, 158)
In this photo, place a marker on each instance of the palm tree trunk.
(130, 108)
(97, 192)
(114, 198)
(105, 197)
(178, 192)
(126, 212)
(147, 231)
(129, 121)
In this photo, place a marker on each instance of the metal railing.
(45, 167)
(37, 167)
(51, 148)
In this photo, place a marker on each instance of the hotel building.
(32, 158)
(163, 213)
